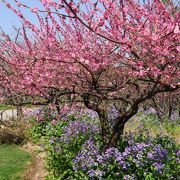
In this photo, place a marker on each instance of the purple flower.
(100, 159)
(94, 173)
(130, 142)
(178, 153)
(150, 155)
(157, 147)
(87, 157)
(129, 177)
(110, 152)
(139, 156)
(76, 128)
(158, 153)
(57, 149)
(119, 158)
(127, 152)
(158, 166)
(51, 141)
(164, 153)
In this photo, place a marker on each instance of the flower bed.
(75, 151)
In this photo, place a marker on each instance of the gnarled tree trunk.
(111, 137)
(105, 129)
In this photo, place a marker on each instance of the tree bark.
(170, 112)
(105, 130)
(117, 132)
(19, 111)
(119, 127)
(57, 106)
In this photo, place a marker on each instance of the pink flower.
(54, 121)
(176, 29)
(106, 14)
(178, 48)
(101, 23)
(35, 9)
(140, 64)
(146, 32)
(8, 5)
(18, 4)
(46, 1)
(156, 71)
(142, 73)
(154, 37)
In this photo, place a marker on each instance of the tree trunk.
(116, 134)
(119, 127)
(104, 126)
(105, 130)
(170, 112)
(19, 111)
(57, 106)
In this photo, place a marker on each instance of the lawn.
(5, 107)
(13, 162)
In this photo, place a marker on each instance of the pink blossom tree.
(106, 53)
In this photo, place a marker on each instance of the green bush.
(74, 151)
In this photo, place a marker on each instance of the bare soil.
(36, 170)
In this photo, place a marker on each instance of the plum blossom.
(35, 9)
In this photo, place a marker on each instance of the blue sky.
(8, 19)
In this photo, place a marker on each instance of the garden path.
(36, 171)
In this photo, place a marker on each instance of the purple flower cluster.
(158, 166)
(178, 156)
(83, 113)
(89, 113)
(90, 158)
(76, 128)
(137, 154)
(178, 153)
(113, 113)
(158, 153)
(129, 177)
(117, 156)
(52, 140)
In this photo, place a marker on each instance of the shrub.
(9, 136)
(63, 142)
(74, 151)
(142, 158)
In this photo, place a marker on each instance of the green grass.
(5, 106)
(13, 162)
(153, 126)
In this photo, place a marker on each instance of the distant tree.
(166, 105)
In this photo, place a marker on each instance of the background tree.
(166, 105)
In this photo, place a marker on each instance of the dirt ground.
(36, 170)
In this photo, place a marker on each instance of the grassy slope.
(13, 162)
(154, 127)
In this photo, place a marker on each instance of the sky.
(8, 19)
